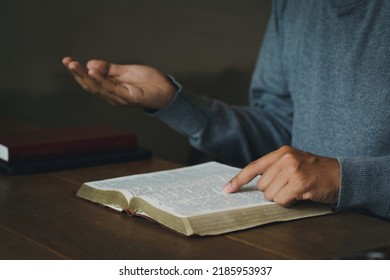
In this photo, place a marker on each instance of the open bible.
(191, 200)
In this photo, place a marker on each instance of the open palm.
(123, 84)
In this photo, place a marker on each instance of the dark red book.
(65, 142)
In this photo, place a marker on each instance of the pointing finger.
(252, 170)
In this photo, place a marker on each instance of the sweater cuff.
(187, 113)
(356, 189)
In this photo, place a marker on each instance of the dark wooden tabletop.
(40, 218)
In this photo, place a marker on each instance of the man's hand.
(123, 84)
(288, 175)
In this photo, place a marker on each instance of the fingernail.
(228, 187)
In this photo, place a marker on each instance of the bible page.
(187, 191)
(200, 191)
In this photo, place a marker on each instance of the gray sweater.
(322, 85)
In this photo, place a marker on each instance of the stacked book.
(71, 147)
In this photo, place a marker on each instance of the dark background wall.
(208, 45)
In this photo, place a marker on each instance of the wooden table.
(40, 218)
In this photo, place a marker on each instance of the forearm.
(235, 135)
(238, 135)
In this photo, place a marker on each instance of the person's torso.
(336, 57)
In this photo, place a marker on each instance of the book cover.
(58, 163)
(55, 149)
(53, 142)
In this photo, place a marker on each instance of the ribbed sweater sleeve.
(365, 184)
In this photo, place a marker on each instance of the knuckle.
(252, 168)
(283, 201)
(286, 149)
(289, 157)
(279, 201)
(268, 196)
(261, 185)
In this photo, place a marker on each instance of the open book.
(191, 200)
